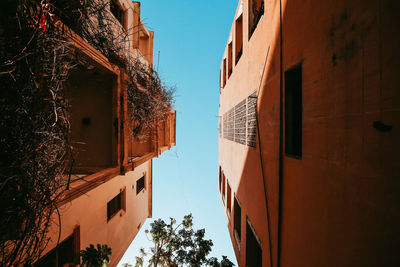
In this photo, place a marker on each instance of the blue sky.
(191, 37)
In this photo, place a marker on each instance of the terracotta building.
(110, 194)
(309, 171)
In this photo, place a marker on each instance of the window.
(220, 82)
(228, 198)
(139, 185)
(220, 178)
(293, 111)
(230, 64)
(238, 38)
(116, 204)
(67, 252)
(237, 223)
(118, 13)
(223, 187)
(224, 73)
(253, 247)
(256, 11)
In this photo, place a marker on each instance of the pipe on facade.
(263, 81)
(280, 175)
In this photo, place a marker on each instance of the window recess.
(140, 184)
(293, 112)
(223, 187)
(228, 199)
(237, 220)
(224, 73)
(230, 63)
(253, 247)
(118, 13)
(66, 252)
(116, 204)
(256, 11)
(238, 38)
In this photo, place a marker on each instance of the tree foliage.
(178, 245)
(96, 256)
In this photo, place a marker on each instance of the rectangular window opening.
(256, 11)
(230, 64)
(223, 187)
(118, 12)
(116, 204)
(237, 223)
(293, 111)
(238, 38)
(253, 247)
(139, 185)
(67, 252)
(224, 73)
(228, 199)
(220, 82)
(220, 178)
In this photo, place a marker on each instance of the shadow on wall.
(337, 203)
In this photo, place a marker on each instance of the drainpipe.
(262, 83)
(280, 134)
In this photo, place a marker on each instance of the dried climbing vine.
(35, 59)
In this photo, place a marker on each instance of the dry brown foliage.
(35, 59)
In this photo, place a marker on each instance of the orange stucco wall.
(107, 159)
(339, 204)
(89, 212)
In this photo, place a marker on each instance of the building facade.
(109, 194)
(308, 134)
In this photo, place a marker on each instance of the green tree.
(178, 245)
(96, 257)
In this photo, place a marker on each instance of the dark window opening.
(256, 11)
(224, 73)
(237, 219)
(116, 204)
(139, 185)
(253, 248)
(223, 187)
(230, 64)
(220, 178)
(238, 39)
(228, 198)
(293, 111)
(220, 82)
(67, 252)
(118, 13)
